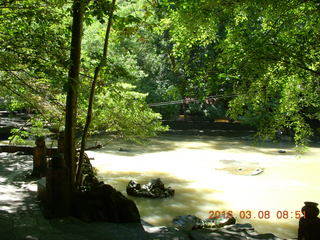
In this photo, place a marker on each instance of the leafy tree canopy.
(34, 53)
(267, 51)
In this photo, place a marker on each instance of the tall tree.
(73, 89)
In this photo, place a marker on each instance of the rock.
(223, 221)
(242, 168)
(104, 203)
(236, 231)
(240, 227)
(282, 151)
(190, 222)
(18, 153)
(88, 173)
(164, 233)
(257, 171)
(8, 121)
(211, 234)
(124, 150)
(154, 189)
(29, 237)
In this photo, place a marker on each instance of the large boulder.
(94, 201)
(154, 189)
(104, 203)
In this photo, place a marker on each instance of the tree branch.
(92, 93)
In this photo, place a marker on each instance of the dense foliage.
(266, 52)
(261, 56)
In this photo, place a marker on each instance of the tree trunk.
(72, 93)
(92, 93)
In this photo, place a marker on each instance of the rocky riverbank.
(8, 121)
(21, 216)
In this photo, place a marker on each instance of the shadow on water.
(124, 148)
(172, 142)
(187, 199)
(264, 147)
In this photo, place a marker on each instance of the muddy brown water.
(211, 173)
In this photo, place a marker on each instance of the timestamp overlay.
(264, 220)
(256, 214)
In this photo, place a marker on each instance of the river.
(213, 173)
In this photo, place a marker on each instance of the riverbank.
(21, 216)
